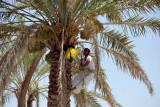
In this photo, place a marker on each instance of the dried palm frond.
(88, 98)
(128, 64)
(9, 29)
(133, 67)
(80, 20)
(58, 28)
(97, 57)
(103, 86)
(8, 61)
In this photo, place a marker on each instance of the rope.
(83, 79)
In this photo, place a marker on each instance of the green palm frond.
(14, 11)
(144, 6)
(114, 40)
(41, 72)
(138, 25)
(23, 65)
(40, 7)
(115, 10)
(9, 30)
(107, 8)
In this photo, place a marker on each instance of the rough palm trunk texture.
(68, 82)
(53, 97)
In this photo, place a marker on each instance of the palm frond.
(6, 97)
(133, 67)
(114, 40)
(9, 30)
(92, 101)
(13, 11)
(130, 65)
(81, 99)
(103, 86)
(30, 72)
(116, 10)
(8, 61)
(41, 71)
(96, 95)
(107, 8)
(88, 98)
(138, 25)
(145, 6)
(40, 6)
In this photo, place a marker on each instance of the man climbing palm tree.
(87, 68)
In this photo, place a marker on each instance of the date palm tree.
(34, 89)
(57, 24)
(18, 78)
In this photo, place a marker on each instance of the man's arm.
(86, 64)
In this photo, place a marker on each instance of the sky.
(126, 90)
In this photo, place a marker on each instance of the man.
(86, 75)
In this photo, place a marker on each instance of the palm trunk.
(68, 82)
(22, 98)
(22, 101)
(53, 97)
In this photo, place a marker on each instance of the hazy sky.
(127, 91)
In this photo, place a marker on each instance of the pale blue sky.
(127, 91)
